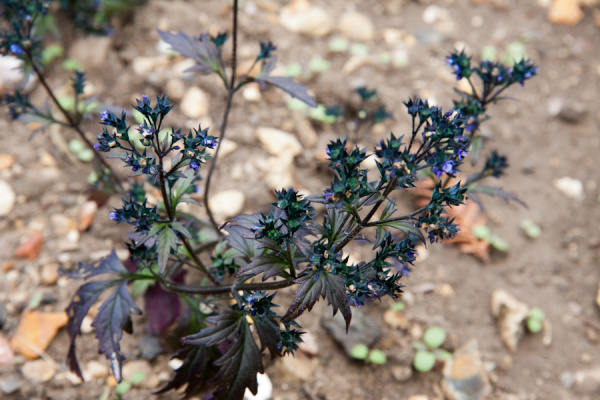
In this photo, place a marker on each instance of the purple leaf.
(202, 50)
(315, 284)
(193, 372)
(269, 334)
(106, 265)
(493, 191)
(226, 327)
(165, 306)
(269, 265)
(85, 297)
(114, 317)
(286, 84)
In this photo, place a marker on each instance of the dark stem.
(230, 92)
(71, 122)
(193, 289)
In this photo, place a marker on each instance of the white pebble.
(570, 187)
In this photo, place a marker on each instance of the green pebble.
(293, 70)
(72, 65)
(499, 244)
(481, 231)
(76, 146)
(137, 377)
(359, 49)
(122, 388)
(86, 155)
(360, 352)
(50, 53)
(318, 64)
(399, 306)
(423, 361)
(66, 102)
(537, 313)
(534, 325)
(296, 105)
(434, 337)
(377, 357)
(530, 228)
(338, 45)
(488, 53)
(319, 113)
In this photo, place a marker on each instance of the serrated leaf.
(379, 236)
(182, 185)
(165, 307)
(106, 265)
(269, 265)
(269, 334)
(388, 210)
(495, 191)
(315, 284)
(239, 366)
(284, 83)
(249, 248)
(193, 372)
(83, 299)
(167, 241)
(179, 227)
(406, 227)
(203, 51)
(226, 327)
(114, 317)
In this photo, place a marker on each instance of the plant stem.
(193, 289)
(230, 92)
(71, 122)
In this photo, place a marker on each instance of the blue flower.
(114, 216)
(16, 49)
(194, 164)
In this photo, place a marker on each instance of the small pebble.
(227, 203)
(7, 198)
(195, 103)
(10, 384)
(38, 371)
(49, 274)
(572, 188)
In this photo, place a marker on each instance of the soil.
(558, 272)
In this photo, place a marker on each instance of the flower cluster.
(145, 147)
(256, 303)
(349, 182)
(438, 226)
(136, 214)
(20, 36)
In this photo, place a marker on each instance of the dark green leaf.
(269, 265)
(316, 283)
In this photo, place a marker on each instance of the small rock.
(572, 188)
(402, 374)
(598, 296)
(510, 313)
(194, 103)
(567, 379)
(363, 330)
(227, 147)
(6, 354)
(49, 274)
(465, 377)
(10, 384)
(587, 381)
(251, 93)
(86, 325)
(38, 371)
(280, 172)
(566, 12)
(418, 397)
(444, 290)
(227, 203)
(356, 26)
(176, 88)
(277, 142)
(61, 224)
(355, 62)
(7, 198)
(6, 161)
(300, 366)
(31, 247)
(264, 391)
(434, 13)
(150, 347)
(586, 358)
(91, 51)
(305, 131)
(132, 367)
(95, 370)
(309, 344)
(300, 16)
(87, 214)
(175, 363)
(396, 320)
(11, 73)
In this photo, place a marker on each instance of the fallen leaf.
(36, 331)
(466, 216)
(31, 247)
(565, 12)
